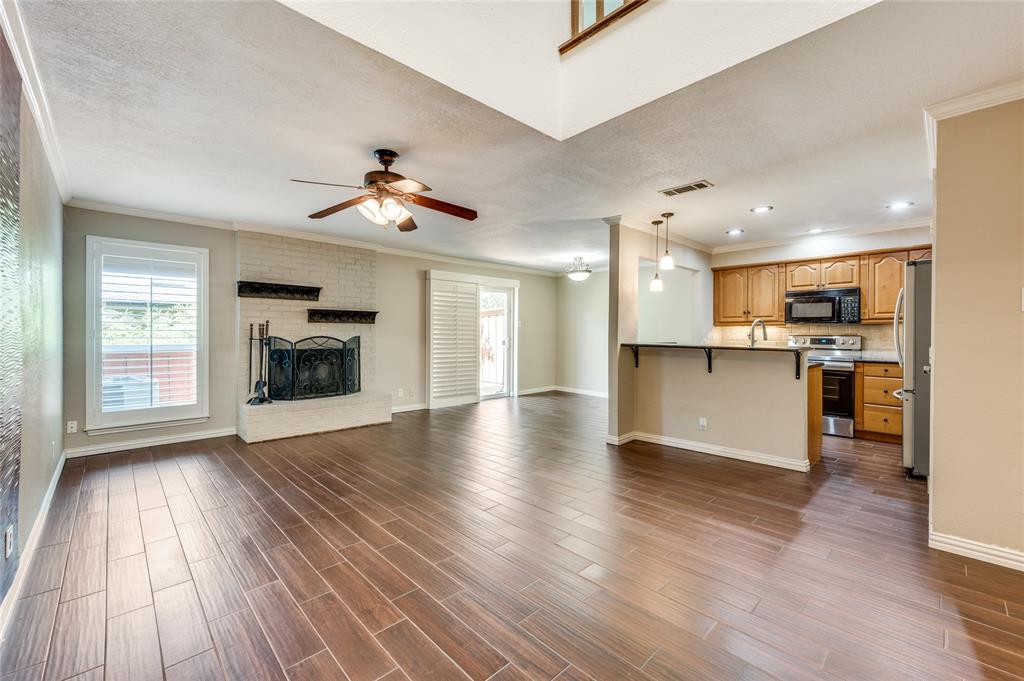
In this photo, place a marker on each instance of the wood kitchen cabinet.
(803, 276)
(743, 294)
(840, 273)
(731, 296)
(877, 414)
(882, 274)
(816, 274)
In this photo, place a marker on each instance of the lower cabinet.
(878, 413)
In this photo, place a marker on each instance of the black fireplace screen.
(319, 366)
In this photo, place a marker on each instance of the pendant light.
(667, 262)
(579, 270)
(657, 285)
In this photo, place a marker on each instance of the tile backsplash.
(875, 337)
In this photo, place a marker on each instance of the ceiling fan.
(388, 194)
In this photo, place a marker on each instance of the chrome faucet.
(764, 331)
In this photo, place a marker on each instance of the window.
(591, 16)
(147, 334)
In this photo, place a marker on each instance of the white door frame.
(511, 351)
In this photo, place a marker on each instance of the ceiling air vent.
(684, 188)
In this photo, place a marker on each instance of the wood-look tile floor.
(500, 541)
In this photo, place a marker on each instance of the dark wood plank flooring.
(500, 541)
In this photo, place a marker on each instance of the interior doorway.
(496, 339)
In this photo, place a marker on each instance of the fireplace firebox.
(318, 366)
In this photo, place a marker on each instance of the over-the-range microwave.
(824, 306)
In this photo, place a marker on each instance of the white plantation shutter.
(454, 343)
(147, 335)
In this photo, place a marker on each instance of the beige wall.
(626, 249)
(402, 325)
(582, 359)
(42, 431)
(79, 223)
(978, 397)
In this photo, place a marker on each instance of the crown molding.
(915, 223)
(958, 106)
(32, 88)
(298, 234)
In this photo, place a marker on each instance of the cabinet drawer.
(879, 419)
(880, 391)
(883, 370)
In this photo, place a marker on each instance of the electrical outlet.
(401, 392)
(412, 393)
(702, 423)
(8, 541)
(72, 427)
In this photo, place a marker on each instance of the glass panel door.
(495, 345)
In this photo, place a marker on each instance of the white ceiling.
(495, 51)
(206, 109)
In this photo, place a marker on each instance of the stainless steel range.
(838, 354)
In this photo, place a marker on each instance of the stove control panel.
(825, 342)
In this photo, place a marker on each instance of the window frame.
(97, 422)
(602, 21)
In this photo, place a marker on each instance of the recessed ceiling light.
(815, 230)
(900, 205)
(735, 231)
(761, 209)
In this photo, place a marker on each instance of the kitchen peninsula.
(760, 404)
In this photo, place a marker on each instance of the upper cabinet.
(743, 294)
(765, 295)
(883, 275)
(731, 296)
(840, 273)
(815, 274)
(803, 276)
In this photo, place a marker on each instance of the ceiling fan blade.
(407, 225)
(328, 184)
(409, 186)
(341, 206)
(443, 206)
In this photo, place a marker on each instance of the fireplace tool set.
(263, 351)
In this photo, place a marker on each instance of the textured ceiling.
(206, 109)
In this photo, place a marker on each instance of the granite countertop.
(769, 347)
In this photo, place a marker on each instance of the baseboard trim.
(7, 606)
(580, 391)
(531, 391)
(408, 407)
(989, 553)
(107, 448)
(716, 450)
(620, 439)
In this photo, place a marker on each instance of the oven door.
(812, 309)
(837, 399)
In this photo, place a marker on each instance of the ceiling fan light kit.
(388, 192)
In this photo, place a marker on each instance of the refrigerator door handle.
(896, 327)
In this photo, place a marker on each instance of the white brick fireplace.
(348, 280)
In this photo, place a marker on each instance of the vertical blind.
(454, 343)
(149, 324)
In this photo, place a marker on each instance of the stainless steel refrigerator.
(913, 351)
